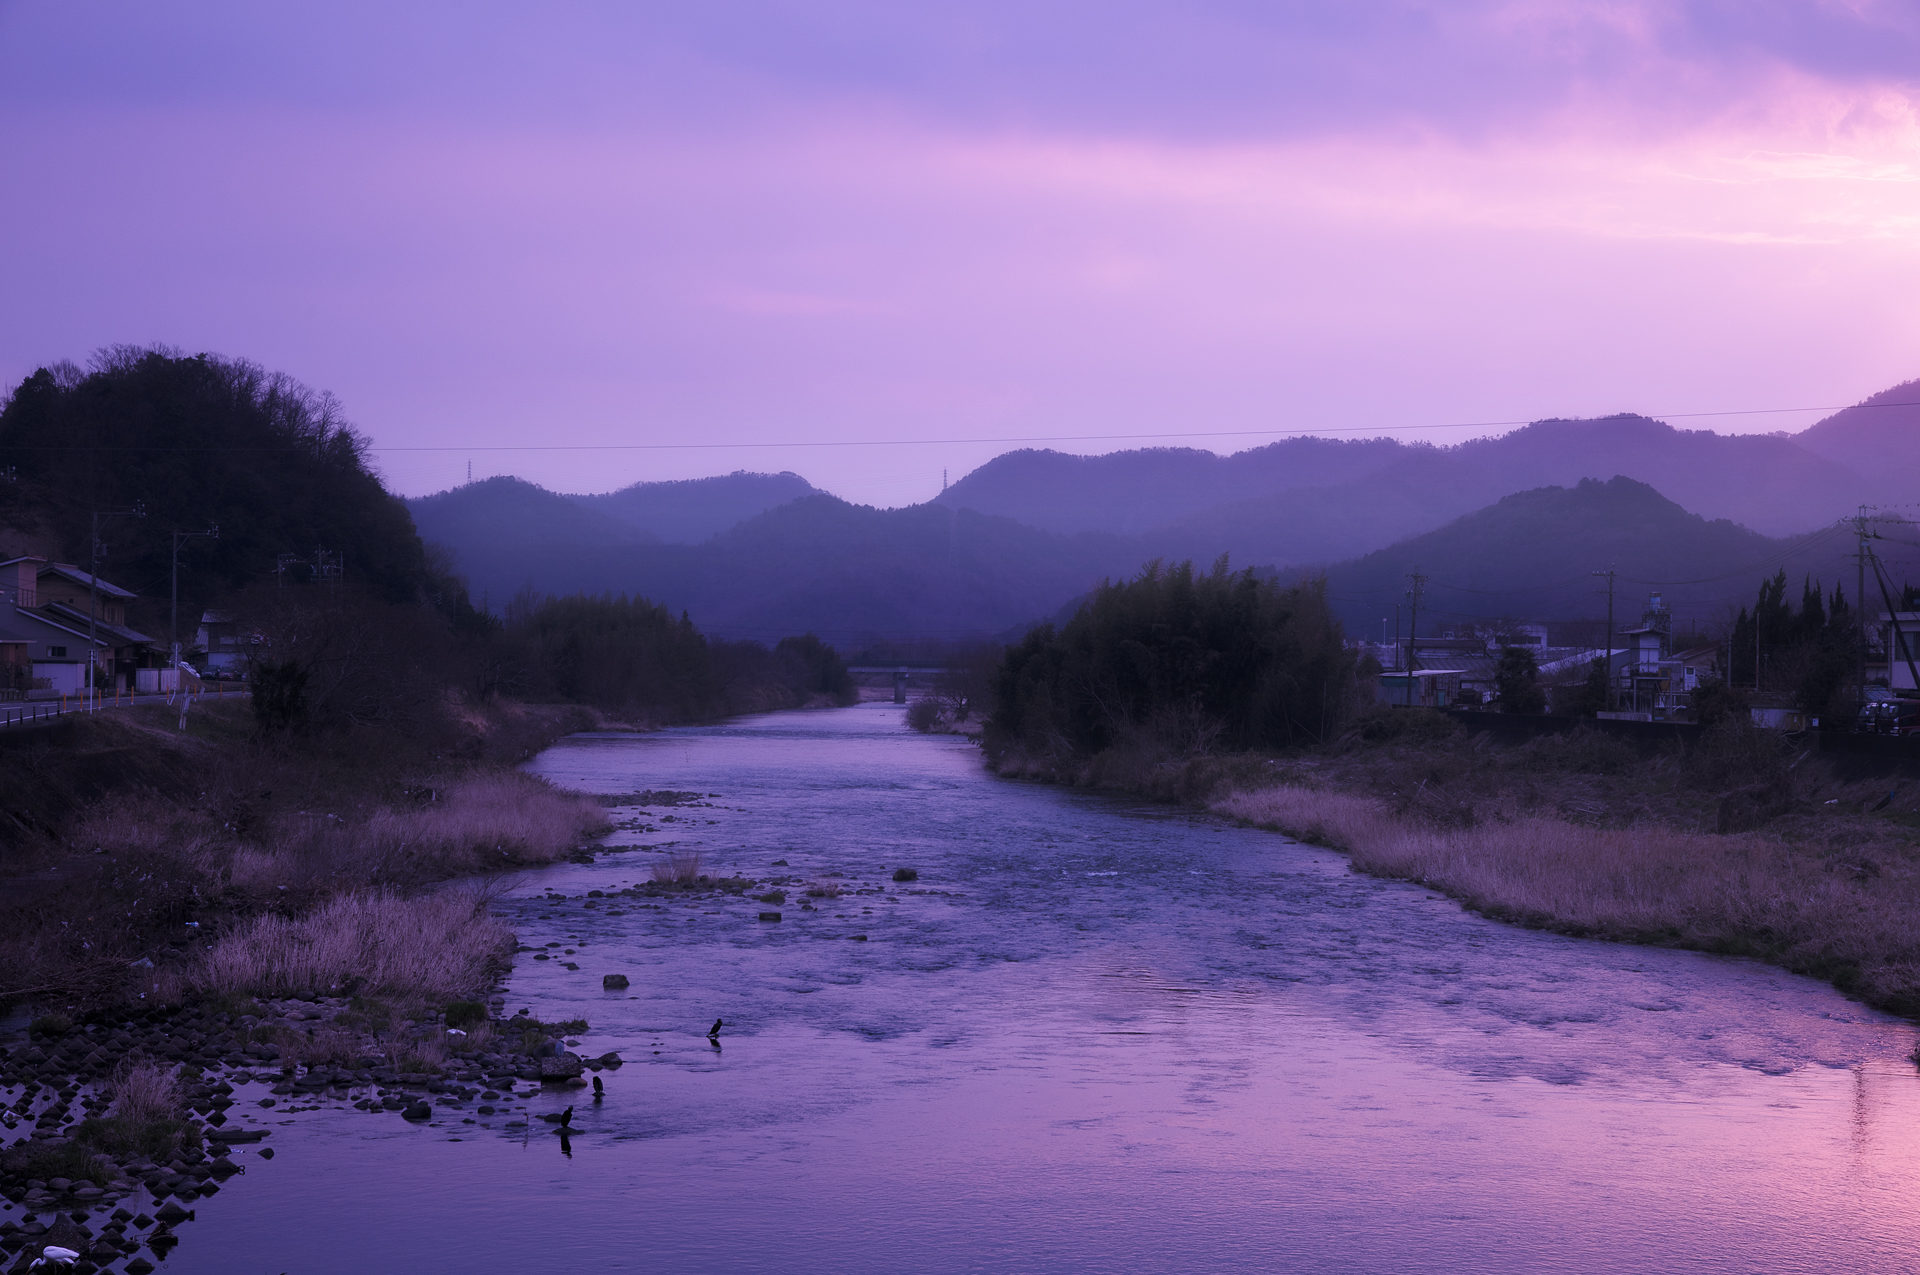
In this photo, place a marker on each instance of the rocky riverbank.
(78, 1172)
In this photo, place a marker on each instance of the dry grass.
(676, 869)
(1752, 894)
(823, 890)
(144, 1092)
(442, 945)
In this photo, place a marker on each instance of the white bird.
(54, 1253)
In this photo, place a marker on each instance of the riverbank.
(1742, 845)
(191, 912)
(133, 844)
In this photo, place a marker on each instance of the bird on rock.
(599, 1089)
(714, 1030)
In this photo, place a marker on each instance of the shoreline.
(1818, 876)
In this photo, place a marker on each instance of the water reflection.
(1091, 1036)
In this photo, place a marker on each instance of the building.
(1897, 633)
(53, 607)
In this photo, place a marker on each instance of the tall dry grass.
(145, 1092)
(1749, 894)
(439, 946)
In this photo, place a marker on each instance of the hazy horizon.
(901, 233)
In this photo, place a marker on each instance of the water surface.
(1096, 1036)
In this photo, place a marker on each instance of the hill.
(696, 509)
(1130, 492)
(1878, 437)
(193, 442)
(849, 573)
(1313, 500)
(498, 511)
(1533, 554)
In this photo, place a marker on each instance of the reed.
(442, 945)
(1750, 894)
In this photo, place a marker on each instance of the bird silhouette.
(714, 1030)
(599, 1089)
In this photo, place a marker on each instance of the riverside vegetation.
(1231, 693)
(286, 893)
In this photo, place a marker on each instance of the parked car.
(1889, 717)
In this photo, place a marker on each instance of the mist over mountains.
(1508, 526)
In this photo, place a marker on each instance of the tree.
(1516, 680)
(1181, 659)
(1585, 697)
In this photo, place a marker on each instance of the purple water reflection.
(1094, 1037)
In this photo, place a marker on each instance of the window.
(56, 652)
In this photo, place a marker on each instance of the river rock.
(613, 982)
(567, 1066)
(418, 1111)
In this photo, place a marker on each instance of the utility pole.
(179, 538)
(1609, 574)
(1419, 583)
(1860, 602)
(96, 551)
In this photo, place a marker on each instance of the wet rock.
(418, 1112)
(613, 982)
(769, 916)
(565, 1066)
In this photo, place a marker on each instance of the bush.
(923, 715)
(465, 1013)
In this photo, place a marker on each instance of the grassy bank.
(1586, 834)
(145, 845)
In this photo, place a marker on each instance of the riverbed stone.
(613, 982)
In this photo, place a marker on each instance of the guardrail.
(28, 713)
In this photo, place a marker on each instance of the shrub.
(923, 715)
(465, 1013)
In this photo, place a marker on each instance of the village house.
(1897, 635)
(45, 605)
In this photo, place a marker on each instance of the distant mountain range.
(1507, 526)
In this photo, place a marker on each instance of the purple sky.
(803, 221)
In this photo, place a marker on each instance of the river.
(1095, 1036)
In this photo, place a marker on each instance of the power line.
(961, 441)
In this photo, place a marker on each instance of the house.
(54, 653)
(1420, 688)
(228, 647)
(61, 584)
(16, 656)
(54, 606)
(1898, 636)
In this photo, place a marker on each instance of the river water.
(1095, 1036)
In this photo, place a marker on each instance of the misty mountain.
(849, 573)
(1533, 554)
(498, 511)
(1130, 492)
(1760, 481)
(695, 509)
(1878, 437)
(1313, 500)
